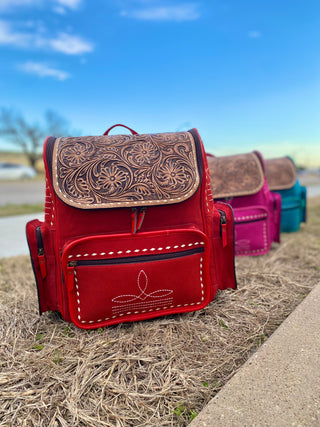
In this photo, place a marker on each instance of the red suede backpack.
(130, 229)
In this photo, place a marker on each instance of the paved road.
(18, 193)
(34, 192)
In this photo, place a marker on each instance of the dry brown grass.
(155, 373)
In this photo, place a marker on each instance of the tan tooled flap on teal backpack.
(125, 170)
(238, 175)
(281, 173)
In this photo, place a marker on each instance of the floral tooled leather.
(237, 175)
(125, 170)
(281, 173)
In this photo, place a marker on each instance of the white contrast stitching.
(208, 192)
(142, 282)
(265, 241)
(139, 304)
(77, 291)
(248, 217)
(145, 308)
(138, 250)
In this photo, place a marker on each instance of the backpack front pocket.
(113, 279)
(251, 231)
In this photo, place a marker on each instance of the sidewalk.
(313, 191)
(13, 235)
(280, 384)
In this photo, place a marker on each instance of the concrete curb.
(280, 384)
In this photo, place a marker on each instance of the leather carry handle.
(131, 130)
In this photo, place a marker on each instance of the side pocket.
(43, 264)
(224, 246)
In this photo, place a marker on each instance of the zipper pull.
(142, 214)
(224, 235)
(133, 220)
(42, 263)
(223, 224)
(41, 258)
(70, 275)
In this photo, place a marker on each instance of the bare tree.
(30, 137)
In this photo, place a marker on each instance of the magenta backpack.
(240, 181)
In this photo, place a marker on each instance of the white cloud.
(10, 4)
(8, 37)
(71, 4)
(70, 45)
(62, 6)
(59, 10)
(43, 70)
(178, 13)
(35, 38)
(254, 34)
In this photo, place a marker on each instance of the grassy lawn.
(9, 210)
(159, 372)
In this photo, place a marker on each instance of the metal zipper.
(133, 259)
(223, 228)
(39, 241)
(41, 257)
(137, 219)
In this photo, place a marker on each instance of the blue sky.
(245, 73)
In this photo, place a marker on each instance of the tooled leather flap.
(125, 170)
(281, 173)
(237, 175)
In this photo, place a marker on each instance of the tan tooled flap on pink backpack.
(237, 175)
(281, 173)
(125, 170)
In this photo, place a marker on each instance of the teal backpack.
(282, 178)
